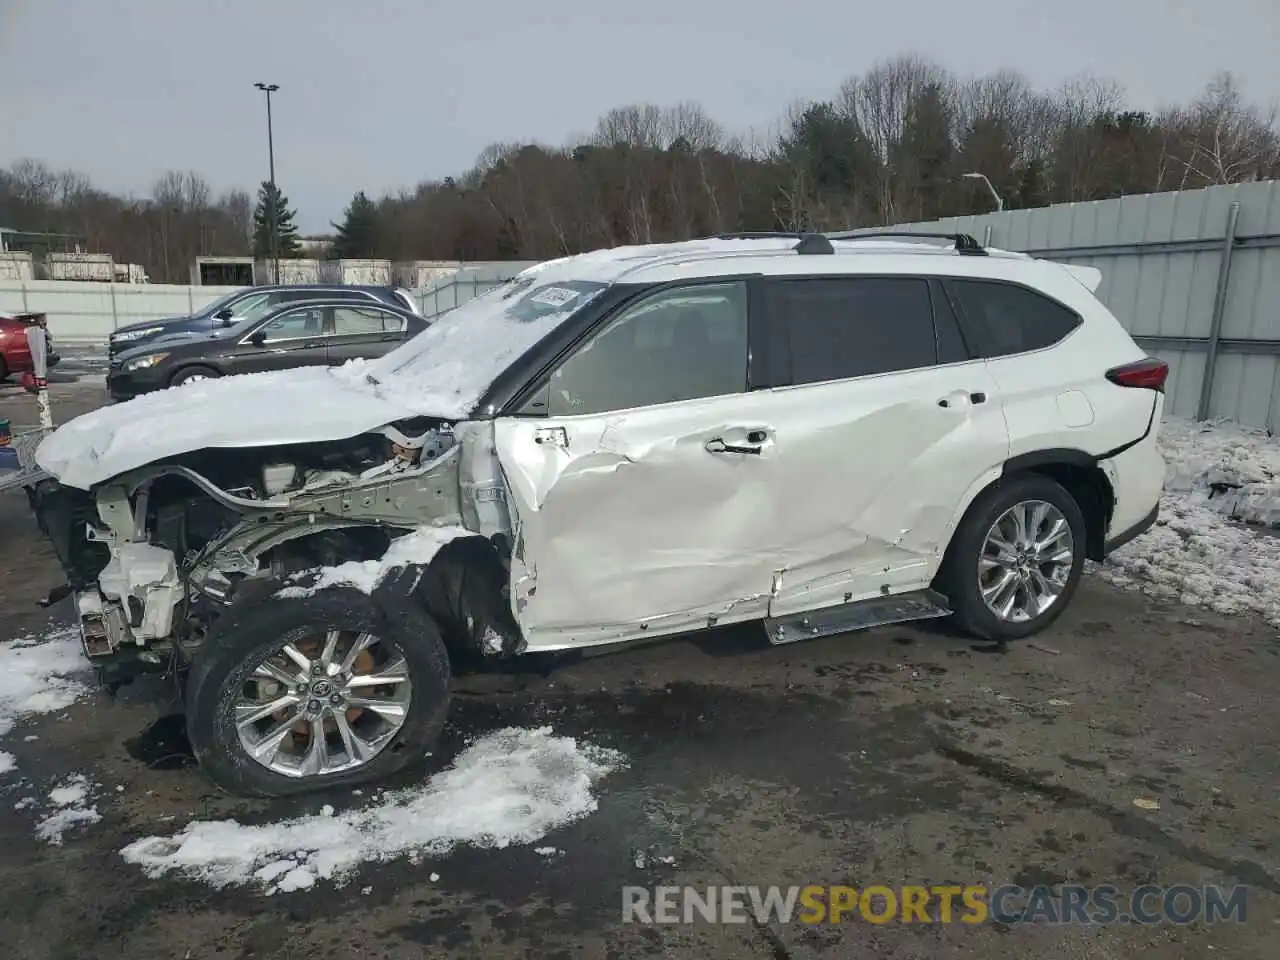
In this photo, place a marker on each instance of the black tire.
(190, 373)
(252, 630)
(958, 578)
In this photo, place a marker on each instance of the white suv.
(819, 432)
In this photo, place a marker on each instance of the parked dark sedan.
(309, 333)
(251, 303)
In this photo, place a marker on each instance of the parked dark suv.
(250, 303)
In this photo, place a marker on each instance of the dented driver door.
(639, 497)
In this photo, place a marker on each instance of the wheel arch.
(1080, 475)
(1075, 470)
(188, 364)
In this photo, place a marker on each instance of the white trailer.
(356, 272)
(416, 274)
(16, 265)
(293, 270)
(97, 267)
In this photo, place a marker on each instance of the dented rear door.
(885, 432)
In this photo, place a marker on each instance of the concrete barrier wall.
(86, 312)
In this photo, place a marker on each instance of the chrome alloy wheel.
(1026, 560)
(323, 704)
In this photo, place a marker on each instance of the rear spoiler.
(1089, 277)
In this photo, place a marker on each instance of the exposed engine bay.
(155, 556)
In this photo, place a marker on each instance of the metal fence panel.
(468, 283)
(1162, 260)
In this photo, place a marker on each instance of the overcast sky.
(377, 95)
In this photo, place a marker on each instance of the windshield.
(444, 370)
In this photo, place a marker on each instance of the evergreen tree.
(359, 234)
(286, 232)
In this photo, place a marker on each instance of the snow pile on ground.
(509, 787)
(418, 547)
(37, 676)
(72, 807)
(1231, 469)
(1195, 554)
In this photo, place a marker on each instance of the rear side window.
(364, 321)
(1000, 319)
(841, 327)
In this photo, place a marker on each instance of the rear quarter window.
(1001, 319)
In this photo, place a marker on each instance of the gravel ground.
(894, 756)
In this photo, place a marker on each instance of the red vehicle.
(15, 355)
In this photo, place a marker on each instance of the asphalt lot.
(895, 756)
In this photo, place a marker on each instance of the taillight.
(1148, 374)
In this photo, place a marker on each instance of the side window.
(843, 327)
(259, 307)
(358, 321)
(999, 319)
(679, 344)
(251, 306)
(295, 325)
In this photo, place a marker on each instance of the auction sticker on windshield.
(554, 296)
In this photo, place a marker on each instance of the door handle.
(719, 446)
(975, 397)
(551, 436)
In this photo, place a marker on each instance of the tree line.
(891, 146)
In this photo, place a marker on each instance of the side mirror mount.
(258, 338)
(223, 314)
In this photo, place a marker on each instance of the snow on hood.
(304, 405)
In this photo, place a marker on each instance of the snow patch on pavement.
(417, 547)
(38, 675)
(1195, 554)
(71, 801)
(509, 787)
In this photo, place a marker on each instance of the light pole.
(268, 89)
(979, 176)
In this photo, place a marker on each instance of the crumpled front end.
(155, 555)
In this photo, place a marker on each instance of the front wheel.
(1016, 559)
(290, 695)
(192, 375)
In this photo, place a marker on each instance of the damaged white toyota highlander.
(822, 433)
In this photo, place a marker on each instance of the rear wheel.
(192, 374)
(1016, 559)
(290, 695)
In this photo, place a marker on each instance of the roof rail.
(762, 235)
(810, 243)
(964, 242)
